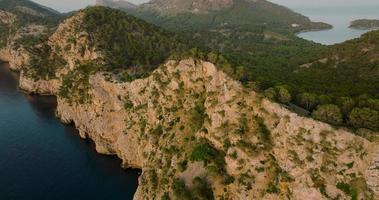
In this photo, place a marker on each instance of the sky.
(69, 5)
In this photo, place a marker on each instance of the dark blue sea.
(40, 158)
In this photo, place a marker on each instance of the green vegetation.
(276, 175)
(279, 93)
(257, 42)
(242, 14)
(180, 190)
(200, 190)
(44, 63)
(264, 134)
(203, 151)
(198, 116)
(28, 12)
(364, 117)
(75, 86)
(328, 113)
(348, 190)
(128, 42)
(364, 24)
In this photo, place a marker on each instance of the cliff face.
(303, 158)
(67, 44)
(197, 133)
(12, 51)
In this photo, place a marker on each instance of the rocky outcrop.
(66, 43)
(303, 148)
(372, 175)
(16, 57)
(30, 85)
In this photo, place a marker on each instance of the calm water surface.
(338, 13)
(42, 159)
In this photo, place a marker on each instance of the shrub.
(165, 196)
(346, 104)
(202, 190)
(183, 165)
(283, 95)
(307, 100)
(364, 118)
(328, 113)
(205, 152)
(348, 190)
(270, 93)
(264, 134)
(180, 190)
(198, 116)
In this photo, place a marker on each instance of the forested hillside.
(258, 40)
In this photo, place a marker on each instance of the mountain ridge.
(196, 132)
(116, 4)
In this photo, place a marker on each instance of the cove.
(40, 158)
(338, 13)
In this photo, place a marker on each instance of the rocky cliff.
(269, 152)
(198, 134)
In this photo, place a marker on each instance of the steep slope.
(353, 60)
(96, 39)
(30, 12)
(209, 14)
(23, 24)
(354, 66)
(195, 132)
(194, 121)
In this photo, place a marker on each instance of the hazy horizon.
(298, 5)
(70, 5)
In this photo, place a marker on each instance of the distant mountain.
(120, 4)
(209, 14)
(193, 6)
(24, 22)
(29, 12)
(365, 24)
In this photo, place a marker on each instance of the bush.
(328, 113)
(284, 95)
(198, 116)
(348, 190)
(264, 134)
(364, 118)
(203, 152)
(202, 189)
(307, 100)
(183, 165)
(180, 190)
(346, 104)
(270, 93)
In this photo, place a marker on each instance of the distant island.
(365, 24)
